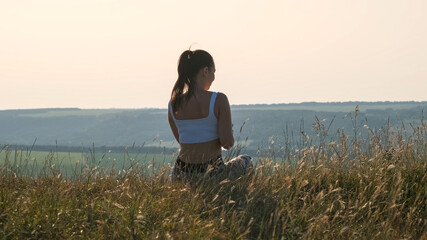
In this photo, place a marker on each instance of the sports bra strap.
(212, 104)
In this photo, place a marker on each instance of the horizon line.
(232, 105)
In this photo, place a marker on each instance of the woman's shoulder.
(221, 99)
(220, 95)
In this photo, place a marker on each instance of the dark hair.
(189, 65)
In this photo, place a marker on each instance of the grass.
(347, 187)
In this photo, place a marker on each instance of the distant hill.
(149, 127)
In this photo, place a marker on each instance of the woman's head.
(190, 65)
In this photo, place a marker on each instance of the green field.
(70, 163)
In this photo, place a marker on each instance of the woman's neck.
(200, 90)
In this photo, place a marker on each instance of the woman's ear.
(206, 71)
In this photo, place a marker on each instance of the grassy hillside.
(349, 187)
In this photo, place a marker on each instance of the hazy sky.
(123, 54)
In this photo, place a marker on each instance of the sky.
(124, 53)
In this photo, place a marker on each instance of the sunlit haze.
(124, 53)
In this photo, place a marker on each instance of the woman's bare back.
(196, 107)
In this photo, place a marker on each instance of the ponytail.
(189, 64)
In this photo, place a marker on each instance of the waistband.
(197, 167)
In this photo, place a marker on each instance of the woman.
(200, 120)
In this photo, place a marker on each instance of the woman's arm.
(173, 126)
(225, 127)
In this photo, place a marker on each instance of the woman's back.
(195, 109)
(197, 130)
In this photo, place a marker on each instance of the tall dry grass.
(370, 186)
